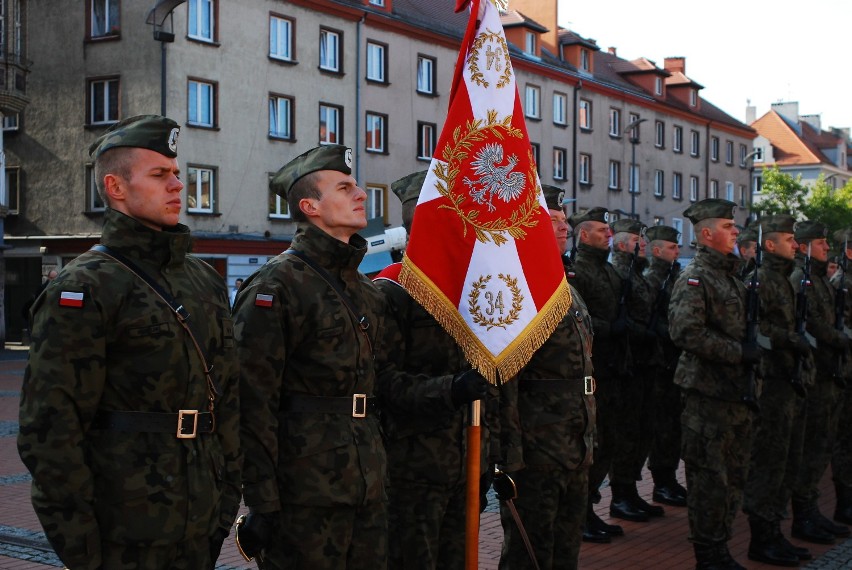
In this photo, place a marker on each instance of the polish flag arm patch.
(694, 281)
(262, 300)
(70, 299)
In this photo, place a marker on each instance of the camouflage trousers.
(665, 446)
(823, 407)
(426, 527)
(717, 441)
(775, 460)
(606, 397)
(634, 422)
(355, 538)
(552, 506)
(841, 458)
(190, 555)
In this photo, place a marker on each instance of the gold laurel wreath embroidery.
(473, 60)
(491, 322)
(476, 131)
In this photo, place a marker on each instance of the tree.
(831, 206)
(782, 194)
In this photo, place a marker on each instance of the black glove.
(618, 327)
(504, 486)
(254, 532)
(216, 542)
(802, 346)
(485, 481)
(751, 353)
(467, 387)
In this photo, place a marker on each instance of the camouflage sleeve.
(592, 294)
(772, 293)
(62, 388)
(819, 326)
(511, 437)
(689, 325)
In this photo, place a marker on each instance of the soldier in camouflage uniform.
(314, 476)
(747, 247)
(841, 459)
(548, 418)
(666, 407)
(707, 321)
(780, 425)
(425, 416)
(600, 286)
(823, 398)
(634, 408)
(133, 449)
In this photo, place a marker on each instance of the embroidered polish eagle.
(494, 178)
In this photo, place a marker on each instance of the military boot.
(843, 508)
(622, 506)
(669, 492)
(807, 525)
(712, 557)
(765, 546)
(643, 505)
(797, 551)
(595, 524)
(726, 558)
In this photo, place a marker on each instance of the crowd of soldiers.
(335, 406)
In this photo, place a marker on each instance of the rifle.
(753, 323)
(802, 322)
(573, 254)
(627, 286)
(661, 300)
(839, 316)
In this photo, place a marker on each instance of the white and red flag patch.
(262, 300)
(70, 299)
(482, 257)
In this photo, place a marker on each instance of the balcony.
(13, 83)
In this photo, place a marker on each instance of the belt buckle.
(359, 401)
(184, 414)
(589, 385)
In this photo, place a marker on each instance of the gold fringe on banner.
(514, 357)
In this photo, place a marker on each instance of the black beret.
(553, 196)
(628, 225)
(596, 214)
(809, 229)
(153, 132)
(781, 223)
(662, 233)
(326, 157)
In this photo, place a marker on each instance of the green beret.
(710, 208)
(326, 157)
(628, 225)
(596, 214)
(809, 229)
(781, 223)
(842, 236)
(662, 233)
(153, 132)
(408, 187)
(553, 196)
(748, 234)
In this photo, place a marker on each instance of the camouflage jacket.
(655, 275)
(707, 321)
(123, 350)
(600, 287)
(424, 432)
(546, 420)
(640, 303)
(297, 339)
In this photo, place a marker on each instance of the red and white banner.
(482, 257)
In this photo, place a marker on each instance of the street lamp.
(750, 157)
(634, 139)
(157, 17)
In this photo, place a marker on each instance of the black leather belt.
(356, 405)
(586, 385)
(185, 424)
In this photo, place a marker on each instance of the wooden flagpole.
(471, 535)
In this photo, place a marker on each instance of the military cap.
(596, 214)
(325, 157)
(710, 208)
(553, 196)
(628, 225)
(809, 229)
(663, 233)
(408, 187)
(748, 234)
(781, 223)
(842, 236)
(153, 132)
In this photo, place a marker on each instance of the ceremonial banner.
(482, 257)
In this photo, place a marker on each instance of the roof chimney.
(675, 64)
(611, 49)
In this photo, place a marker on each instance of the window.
(280, 38)
(376, 140)
(742, 195)
(425, 75)
(585, 169)
(729, 191)
(202, 103)
(677, 185)
(560, 109)
(585, 60)
(614, 122)
(633, 118)
(103, 101)
(11, 122)
(201, 20)
(12, 199)
(377, 62)
(729, 152)
(536, 151)
(659, 183)
(375, 204)
(104, 18)
(281, 117)
(634, 178)
(659, 134)
(693, 98)
(532, 101)
(758, 184)
(677, 146)
(585, 116)
(330, 124)
(693, 188)
(714, 189)
(529, 43)
(714, 149)
(278, 209)
(329, 50)
(614, 175)
(658, 85)
(559, 155)
(200, 190)
(377, 2)
(743, 153)
(677, 223)
(694, 142)
(94, 203)
(425, 140)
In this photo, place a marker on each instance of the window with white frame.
(94, 202)
(659, 183)
(375, 204)
(714, 189)
(694, 143)
(201, 104)
(658, 85)
(200, 190)
(536, 152)
(532, 101)
(329, 50)
(376, 135)
(729, 152)
(330, 124)
(559, 160)
(11, 122)
(585, 170)
(280, 38)
(743, 153)
(377, 62)
(693, 189)
(693, 97)
(103, 101)
(281, 117)
(633, 118)
(742, 195)
(201, 20)
(104, 18)
(677, 145)
(677, 223)
(614, 175)
(615, 122)
(377, 2)
(425, 140)
(12, 199)
(585, 114)
(529, 42)
(278, 208)
(677, 185)
(634, 178)
(714, 149)
(659, 134)
(729, 191)
(585, 60)
(426, 74)
(560, 108)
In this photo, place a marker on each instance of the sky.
(738, 50)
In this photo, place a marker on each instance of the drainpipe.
(357, 146)
(575, 155)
